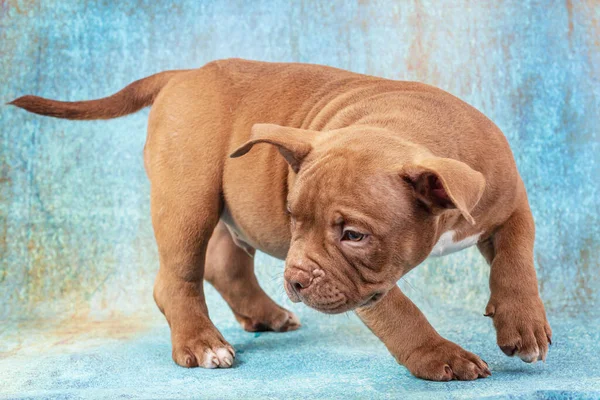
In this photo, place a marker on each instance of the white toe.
(210, 359)
(530, 357)
(225, 357)
(293, 319)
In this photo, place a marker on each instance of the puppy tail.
(130, 99)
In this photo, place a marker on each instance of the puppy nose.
(297, 278)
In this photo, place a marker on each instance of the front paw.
(443, 360)
(201, 347)
(521, 326)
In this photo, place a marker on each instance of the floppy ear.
(293, 144)
(443, 183)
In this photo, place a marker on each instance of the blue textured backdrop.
(75, 235)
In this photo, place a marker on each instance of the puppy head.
(363, 209)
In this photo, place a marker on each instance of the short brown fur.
(351, 178)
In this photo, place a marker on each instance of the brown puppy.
(374, 176)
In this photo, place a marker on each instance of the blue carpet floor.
(329, 357)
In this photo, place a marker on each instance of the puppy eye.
(353, 236)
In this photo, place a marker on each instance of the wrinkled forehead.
(345, 181)
(329, 170)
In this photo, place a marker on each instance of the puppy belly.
(447, 245)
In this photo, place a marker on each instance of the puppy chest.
(263, 232)
(447, 245)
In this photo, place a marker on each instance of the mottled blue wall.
(75, 233)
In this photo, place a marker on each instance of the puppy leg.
(515, 305)
(415, 344)
(184, 160)
(182, 234)
(230, 269)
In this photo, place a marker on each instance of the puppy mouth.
(333, 307)
(292, 294)
(336, 305)
(343, 306)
